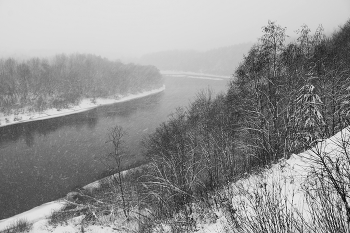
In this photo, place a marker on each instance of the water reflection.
(29, 130)
(90, 118)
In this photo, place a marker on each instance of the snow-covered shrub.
(17, 118)
(327, 213)
(21, 225)
(264, 207)
(329, 195)
(93, 100)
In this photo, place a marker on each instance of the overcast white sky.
(116, 28)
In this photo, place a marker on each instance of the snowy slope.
(284, 184)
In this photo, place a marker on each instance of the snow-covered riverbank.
(85, 105)
(43, 211)
(41, 214)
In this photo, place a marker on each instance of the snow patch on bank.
(216, 79)
(194, 75)
(84, 105)
(38, 213)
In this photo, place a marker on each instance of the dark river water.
(41, 161)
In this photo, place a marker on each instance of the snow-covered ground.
(286, 182)
(43, 211)
(84, 105)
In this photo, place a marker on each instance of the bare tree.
(115, 137)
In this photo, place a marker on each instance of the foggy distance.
(129, 29)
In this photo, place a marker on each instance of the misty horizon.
(130, 29)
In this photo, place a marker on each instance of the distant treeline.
(222, 61)
(63, 80)
(284, 98)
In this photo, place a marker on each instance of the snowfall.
(290, 173)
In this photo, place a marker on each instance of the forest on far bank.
(66, 79)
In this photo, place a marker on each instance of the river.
(41, 161)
